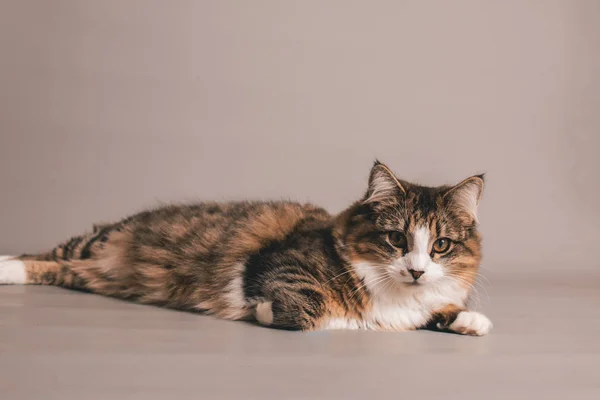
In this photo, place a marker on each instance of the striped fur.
(288, 265)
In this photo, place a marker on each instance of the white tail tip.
(12, 272)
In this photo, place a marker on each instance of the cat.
(403, 257)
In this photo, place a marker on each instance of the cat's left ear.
(467, 194)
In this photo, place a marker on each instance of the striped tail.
(57, 267)
(24, 271)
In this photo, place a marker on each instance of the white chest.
(398, 313)
(383, 317)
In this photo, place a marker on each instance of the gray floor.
(58, 344)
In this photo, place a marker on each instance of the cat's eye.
(441, 245)
(397, 239)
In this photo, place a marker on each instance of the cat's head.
(406, 236)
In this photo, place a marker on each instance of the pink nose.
(416, 274)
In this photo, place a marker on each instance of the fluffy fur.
(403, 257)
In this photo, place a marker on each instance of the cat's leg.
(459, 320)
(300, 310)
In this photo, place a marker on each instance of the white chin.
(410, 283)
(415, 284)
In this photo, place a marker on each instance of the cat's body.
(287, 265)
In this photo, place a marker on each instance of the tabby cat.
(403, 257)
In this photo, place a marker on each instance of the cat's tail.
(69, 264)
(28, 271)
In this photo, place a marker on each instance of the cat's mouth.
(404, 280)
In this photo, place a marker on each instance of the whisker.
(474, 294)
(476, 284)
(337, 276)
(373, 286)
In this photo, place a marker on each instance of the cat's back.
(242, 227)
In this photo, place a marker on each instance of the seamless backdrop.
(107, 107)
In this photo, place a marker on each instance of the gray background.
(107, 107)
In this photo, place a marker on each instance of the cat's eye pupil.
(397, 239)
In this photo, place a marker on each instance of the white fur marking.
(264, 313)
(384, 316)
(235, 293)
(471, 323)
(419, 257)
(342, 324)
(12, 272)
(422, 240)
(4, 258)
(398, 306)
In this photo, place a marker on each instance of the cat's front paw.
(471, 323)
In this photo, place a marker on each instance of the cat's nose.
(416, 274)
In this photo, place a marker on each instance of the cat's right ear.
(383, 185)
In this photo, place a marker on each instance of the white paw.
(264, 313)
(471, 323)
(12, 272)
